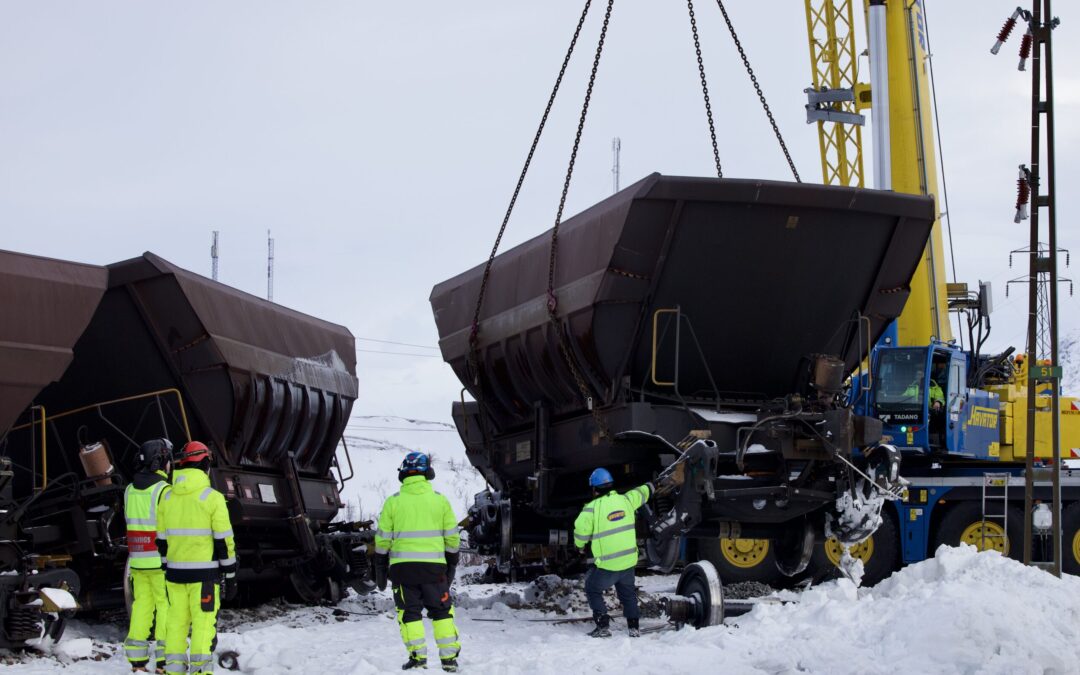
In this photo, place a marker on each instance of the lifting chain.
(704, 88)
(552, 301)
(474, 332)
(757, 87)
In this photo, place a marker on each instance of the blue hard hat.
(415, 463)
(600, 478)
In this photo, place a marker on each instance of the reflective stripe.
(189, 532)
(199, 659)
(384, 535)
(143, 554)
(163, 560)
(228, 561)
(223, 535)
(618, 554)
(171, 667)
(446, 640)
(180, 478)
(154, 496)
(136, 643)
(169, 493)
(449, 533)
(205, 494)
(213, 564)
(418, 534)
(447, 652)
(422, 555)
(148, 522)
(413, 643)
(587, 509)
(582, 538)
(616, 530)
(176, 657)
(381, 551)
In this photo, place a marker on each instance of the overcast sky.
(380, 142)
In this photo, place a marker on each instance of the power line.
(375, 351)
(391, 342)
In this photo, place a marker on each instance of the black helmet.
(155, 455)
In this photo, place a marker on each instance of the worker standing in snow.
(149, 605)
(195, 538)
(606, 524)
(416, 546)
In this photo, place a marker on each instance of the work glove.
(381, 567)
(452, 559)
(229, 587)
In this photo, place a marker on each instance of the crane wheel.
(740, 560)
(963, 523)
(880, 554)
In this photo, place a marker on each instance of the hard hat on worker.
(416, 464)
(601, 479)
(194, 455)
(155, 455)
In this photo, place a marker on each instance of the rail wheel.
(1070, 523)
(964, 524)
(738, 560)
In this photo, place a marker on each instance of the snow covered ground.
(961, 612)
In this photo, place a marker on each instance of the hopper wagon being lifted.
(96, 360)
(694, 328)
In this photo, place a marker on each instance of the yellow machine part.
(914, 166)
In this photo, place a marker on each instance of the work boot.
(603, 627)
(449, 665)
(414, 662)
(634, 628)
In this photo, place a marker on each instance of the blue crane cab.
(922, 398)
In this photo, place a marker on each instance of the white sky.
(380, 142)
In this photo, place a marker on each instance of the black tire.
(880, 555)
(1070, 542)
(739, 560)
(962, 520)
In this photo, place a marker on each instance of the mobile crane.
(963, 448)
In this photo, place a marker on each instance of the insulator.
(1023, 192)
(1003, 34)
(1025, 49)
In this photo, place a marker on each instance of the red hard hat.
(193, 452)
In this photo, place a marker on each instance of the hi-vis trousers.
(149, 610)
(195, 607)
(411, 600)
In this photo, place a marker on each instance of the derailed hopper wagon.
(704, 327)
(170, 353)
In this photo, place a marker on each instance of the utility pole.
(214, 257)
(269, 267)
(616, 147)
(1036, 43)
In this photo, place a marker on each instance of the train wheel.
(738, 560)
(964, 524)
(1070, 523)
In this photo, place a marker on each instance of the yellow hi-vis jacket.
(607, 524)
(195, 536)
(417, 525)
(140, 512)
